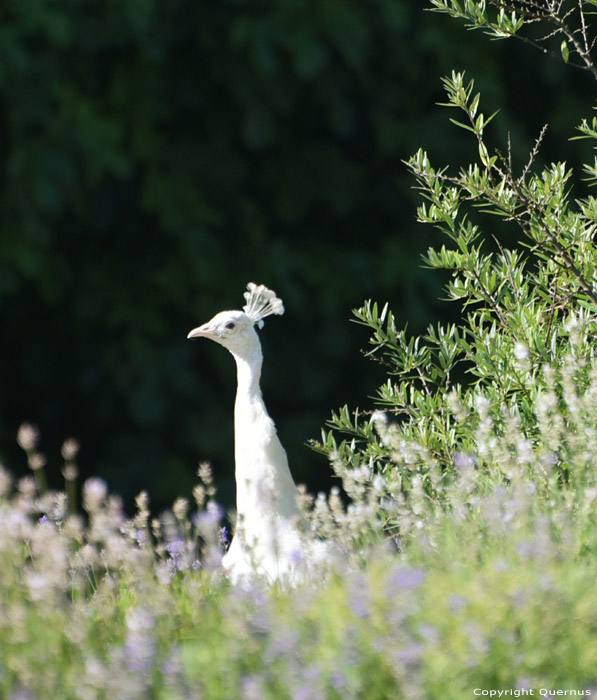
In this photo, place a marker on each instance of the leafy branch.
(523, 310)
(552, 21)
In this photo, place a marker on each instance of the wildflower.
(284, 642)
(175, 548)
(70, 449)
(456, 603)
(73, 527)
(38, 585)
(359, 599)
(140, 644)
(70, 472)
(429, 633)
(407, 577)
(525, 549)
(253, 687)
(5, 482)
(297, 557)
(338, 681)
(180, 508)
(172, 670)
(178, 556)
(478, 644)
(27, 486)
(224, 537)
(95, 491)
(204, 474)
(411, 655)
(142, 501)
(87, 555)
(36, 461)
(207, 519)
(27, 437)
(464, 460)
(199, 495)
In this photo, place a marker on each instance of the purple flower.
(429, 633)
(339, 681)
(296, 557)
(304, 692)
(525, 549)
(407, 577)
(284, 643)
(175, 548)
(359, 605)
(208, 519)
(411, 655)
(173, 666)
(359, 596)
(252, 687)
(224, 537)
(140, 644)
(456, 603)
(464, 460)
(178, 559)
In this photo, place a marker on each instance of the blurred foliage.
(155, 157)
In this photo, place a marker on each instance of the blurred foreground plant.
(487, 595)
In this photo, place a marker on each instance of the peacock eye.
(231, 326)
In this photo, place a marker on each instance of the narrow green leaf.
(565, 51)
(463, 126)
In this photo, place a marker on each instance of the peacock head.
(235, 330)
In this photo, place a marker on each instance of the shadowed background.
(157, 156)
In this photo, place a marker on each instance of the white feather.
(267, 540)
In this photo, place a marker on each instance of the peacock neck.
(248, 371)
(264, 486)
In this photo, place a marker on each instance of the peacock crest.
(261, 302)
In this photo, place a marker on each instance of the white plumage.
(267, 538)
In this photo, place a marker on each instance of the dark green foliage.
(155, 157)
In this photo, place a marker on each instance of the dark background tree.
(155, 157)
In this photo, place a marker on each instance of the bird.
(268, 538)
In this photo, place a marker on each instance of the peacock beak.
(203, 331)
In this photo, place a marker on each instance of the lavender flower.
(359, 596)
(406, 577)
(27, 437)
(94, 494)
(140, 643)
(224, 538)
